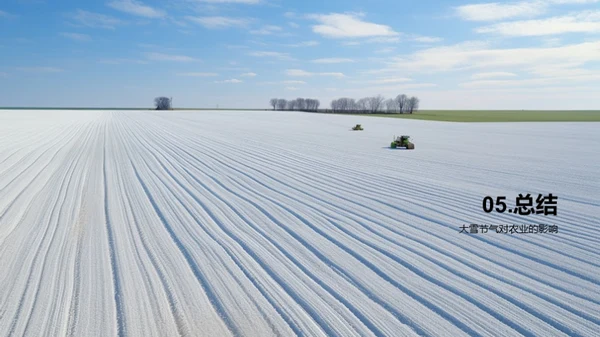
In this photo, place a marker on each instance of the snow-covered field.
(284, 224)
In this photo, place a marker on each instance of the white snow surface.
(231, 223)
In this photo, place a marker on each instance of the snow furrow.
(148, 223)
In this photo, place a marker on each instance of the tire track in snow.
(263, 264)
(189, 259)
(558, 326)
(306, 236)
(118, 295)
(64, 186)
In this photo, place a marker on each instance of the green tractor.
(402, 141)
(358, 127)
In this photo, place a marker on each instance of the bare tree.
(413, 105)
(300, 104)
(312, 104)
(374, 104)
(401, 102)
(162, 103)
(291, 105)
(281, 104)
(362, 104)
(273, 103)
(391, 106)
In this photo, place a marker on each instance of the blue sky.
(539, 54)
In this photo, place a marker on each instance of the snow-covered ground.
(282, 224)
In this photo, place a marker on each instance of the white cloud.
(121, 61)
(426, 39)
(476, 55)
(169, 57)
(303, 73)
(266, 30)
(94, 20)
(298, 72)
(582, 22)
(219, 22)
(273, 54)
(385, 50)
(571, 2)
(500, 11)
(293, 25)
(76, 36)
(291, 88)
(40, 69)
(495, 11)
(533, 82)
(233, 80)
(293, 82)
(248, 75)
(479, 76)
(388, 80)
(338, 25)
(192, 74)
(136, 8)
(303, 44)
(333, 60)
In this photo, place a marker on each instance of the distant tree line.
(376, 104)
(298, 104)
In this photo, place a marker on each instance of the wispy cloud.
(94, 20)
(266, 30)
(426, 39)
(136, 8)
(333, 60)
(533, 82)
(385, 50)
(500, 11)
(480, 76)
(271, 54)
(192, 74)
(248, 75)
(386, 80)
(495, 11)
(303, 73)
(76, 36)
(116, 61)
(293, 82)
(478, 55)
(4, 14)
(233, 80)
(40, 70)
(170, 57)
(219, 22)
(337, 25)
(303, 44)
(582, 22)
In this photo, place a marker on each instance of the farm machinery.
(358, 127)
(402, 141)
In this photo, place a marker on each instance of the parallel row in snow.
(284, 224)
